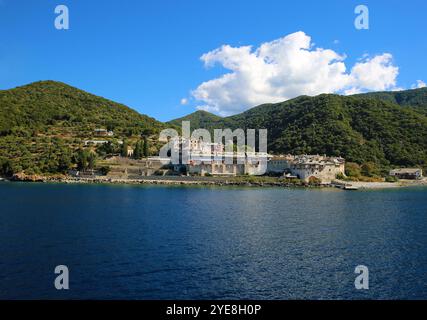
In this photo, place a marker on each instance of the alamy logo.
(62, 280)
(362, 20)
(62, 21)
(362, 280)
(231, 152)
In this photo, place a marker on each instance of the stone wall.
(324, 172)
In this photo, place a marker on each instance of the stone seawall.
(157, 181)
(206, 181)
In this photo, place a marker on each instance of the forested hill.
(359, 128)
(49, 103)
(198, 119)
(44, 127)
(416, 98)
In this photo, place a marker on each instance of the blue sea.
(155, 242)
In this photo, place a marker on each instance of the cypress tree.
(145, 147)
(124, 149)
(137, 153)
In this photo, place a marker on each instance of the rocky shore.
(207, 181)
(165, 180)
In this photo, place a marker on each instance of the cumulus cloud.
(377, 73)
(419, 84)
(184, 101)
(283, 69)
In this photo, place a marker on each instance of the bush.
(340, 176)
(104, 170)
(352, 169)
(6, 167)
(314, 181)
(369, 169)
(391, 179)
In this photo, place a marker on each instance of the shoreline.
(214, 181)
(378, 185)
(388, 185)
(167, 181)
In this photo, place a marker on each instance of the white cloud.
(184, 101)
(283, 69)
(377, 73)
(419, 84)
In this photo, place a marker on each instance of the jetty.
(344, 186)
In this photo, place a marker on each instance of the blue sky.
(146, 54)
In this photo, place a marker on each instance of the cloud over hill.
(285, 68)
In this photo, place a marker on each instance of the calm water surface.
(132, 242)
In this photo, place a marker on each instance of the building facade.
(279, 164)
(103, 133)
(316, 167)
(407, 173)
(227, 166)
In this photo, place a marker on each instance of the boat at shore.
(350, 188)
(344, 186)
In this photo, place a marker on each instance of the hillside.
(42, 124)
(198, 119)
(359, 128)
(416, 98)
(50, 103)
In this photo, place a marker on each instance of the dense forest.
(382, 128)
(43, 127)
(416, 98)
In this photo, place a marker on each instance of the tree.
(124, 149)
(110, 126)
(129, 132)
(6, 167)
(148, 132)
(105, 149)
(369, 169)
(91, 160)
(352, 169)
(137, 153)
(52, 165)
(64, 161)
(82, 159)
(104, 170)
(145, 147)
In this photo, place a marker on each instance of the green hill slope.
(416, 98)
(43, 123)
(358, 128)
(48, 103)
(198, 119)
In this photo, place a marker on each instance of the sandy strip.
(387, 185)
